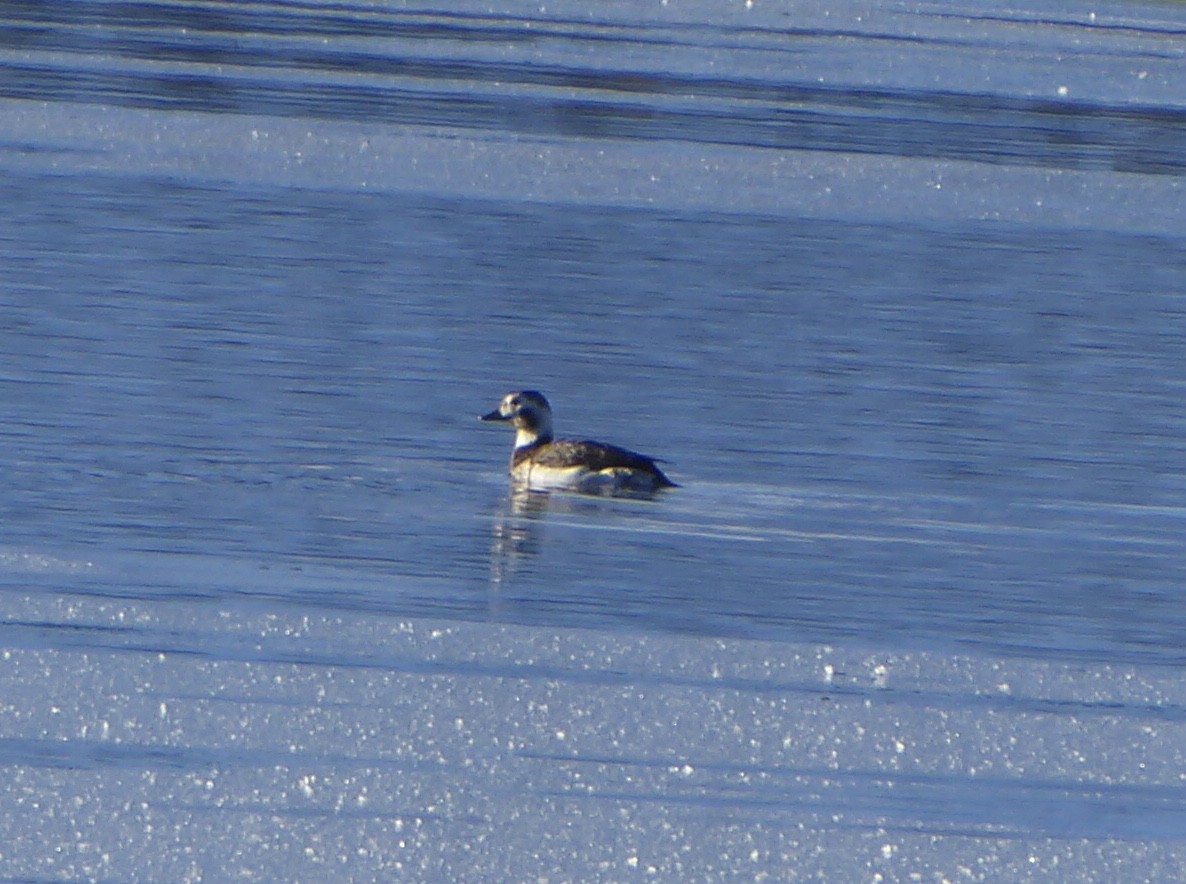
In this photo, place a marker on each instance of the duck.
(541, 462)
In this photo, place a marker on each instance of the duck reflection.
(515, 533)
(520, 520)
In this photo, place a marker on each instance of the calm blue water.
(892, 434)
(897, 422)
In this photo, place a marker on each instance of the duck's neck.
(533, 428)
(526, 437)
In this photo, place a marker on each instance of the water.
(897, 293)
(871, 423)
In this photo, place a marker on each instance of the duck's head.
(530, 413)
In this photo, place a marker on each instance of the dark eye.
(516, 402)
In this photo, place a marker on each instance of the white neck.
(525, 437)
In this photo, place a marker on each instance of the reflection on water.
(520, 520)
(515, 532)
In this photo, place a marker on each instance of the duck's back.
(587, 457)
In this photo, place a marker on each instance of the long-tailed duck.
(543, 462)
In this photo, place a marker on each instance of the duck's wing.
(594, 455)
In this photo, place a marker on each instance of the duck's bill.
(495, 415)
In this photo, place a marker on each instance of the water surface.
(893, 433)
